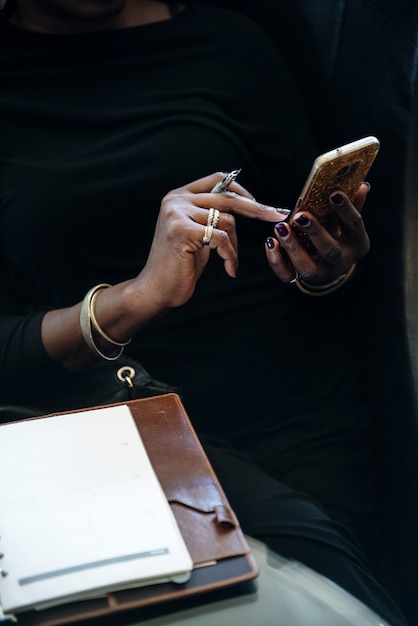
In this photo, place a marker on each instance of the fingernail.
(282, 229)
(282, 210)
(302, 220)
(337, 198)
(270, 243)
(366, 183)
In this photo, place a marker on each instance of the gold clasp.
(126, 374)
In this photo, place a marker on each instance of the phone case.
(342, 169)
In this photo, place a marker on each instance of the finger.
(326, 246)
(219, 233)
(221, 242)
(235, 200)
(235, 187)
(224, 221)
(277, 261)
(231, 202)
(227, 224)
(297, 254)
(352, 225)
(361, 196)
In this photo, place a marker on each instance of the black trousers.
(295, 526)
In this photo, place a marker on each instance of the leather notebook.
(220, 554)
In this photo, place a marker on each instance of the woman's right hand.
(176, 260)
(178, 255)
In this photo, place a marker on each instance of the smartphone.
(341, 169)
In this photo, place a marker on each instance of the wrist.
(322, 289)
(96, 338)
(138, 306)
(111, 315)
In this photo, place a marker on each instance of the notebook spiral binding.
(5, 617)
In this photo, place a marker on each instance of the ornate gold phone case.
(342, 169)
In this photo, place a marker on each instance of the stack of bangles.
(312, 289)
(88, 322)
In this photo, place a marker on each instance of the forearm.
(121, 310)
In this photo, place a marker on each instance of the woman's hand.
(183, 239)
(178, 253)
(334, 256)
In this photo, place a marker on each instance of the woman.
(107, 109)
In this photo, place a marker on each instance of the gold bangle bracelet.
(95, 323)
(311, 289)
(86, 325)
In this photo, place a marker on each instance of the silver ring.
(213, 218)
(297, 277)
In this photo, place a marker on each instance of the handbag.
(107, 382)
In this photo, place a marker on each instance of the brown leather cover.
(209, 526)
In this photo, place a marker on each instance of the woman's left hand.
(334, 256)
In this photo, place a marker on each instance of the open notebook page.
(81, 510)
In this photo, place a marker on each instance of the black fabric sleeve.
(24, 363)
